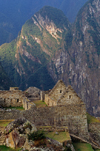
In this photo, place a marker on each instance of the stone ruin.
(64, 108)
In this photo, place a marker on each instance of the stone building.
(14, 98)
(64, 108)
(62, 95)
(52, 97)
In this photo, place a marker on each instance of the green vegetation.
(92, 119)
(4, 123)
(40, 103)
(17, 108)
(54, 14)
(33, 57)
(5, 82)
(61, 136)
(82, 147)
(38, 135)
(7, 58)
(5, 148)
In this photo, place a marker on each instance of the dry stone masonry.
(64, 109)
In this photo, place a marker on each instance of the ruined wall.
(11, 98)
(72, 116)
(10, 114)
(69, 97)
(94, 130)
(57, 91)
(46, 99)
(27, 104)
(50, 101)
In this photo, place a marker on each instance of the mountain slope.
(14, 13)
(49, 48)
(25, 59)
(5, 82)
(81, 61)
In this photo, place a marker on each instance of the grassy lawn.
(92, 119)
(60, 137)
(4, 148)
(82, 147)
(17, 108)
(4, 123)
(40, 103)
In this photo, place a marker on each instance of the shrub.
(37, 135)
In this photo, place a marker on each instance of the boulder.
(17, 132)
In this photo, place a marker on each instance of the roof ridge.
(55, 87)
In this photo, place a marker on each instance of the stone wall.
(27, 104)
(50, 101)
(14, 98)
(72, 116)
(10, 114)
(58, 89)
(11, 98)
(94, 130)
(69, 97)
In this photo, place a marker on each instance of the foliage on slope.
(5, 82)
(25, 59)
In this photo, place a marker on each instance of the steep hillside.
(81, 60)
(5, 82)
(48, 49)
(14, 13)
(25, 59)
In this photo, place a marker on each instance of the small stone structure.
(52, 97)
(14, 98)
(62, 95)
(64, 108)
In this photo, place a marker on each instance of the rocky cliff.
(25, 59)
(13, 17)
(79, 63)
(49, 48)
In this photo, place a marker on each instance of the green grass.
(17, 108)
(82, 147)
(4, 123)
(4, 148)
(92, 119)
(40, 103)
(60, 137)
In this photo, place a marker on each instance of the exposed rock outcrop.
(16, 132)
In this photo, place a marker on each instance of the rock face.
(79, 64)
(17, 131)
(48, 49)
(16, 136)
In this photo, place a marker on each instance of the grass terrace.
(60, 137)
(5, 148)
(40, 103)
(92, 119)
(17, 108)
(4, 123)
(82, 147)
